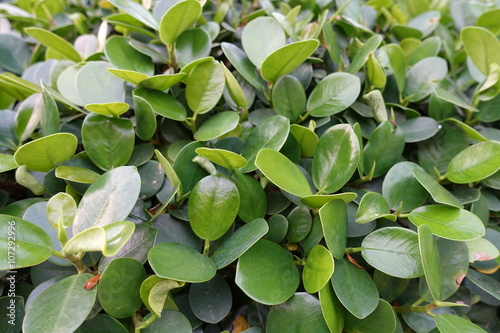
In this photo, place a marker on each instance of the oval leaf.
(475, 162)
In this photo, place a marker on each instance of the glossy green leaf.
(384, 148)
(332, 309)
(119, 285)
(213, 206)
(109, 142)
(61, 307)
(375, 72)
(419, 129)
(373, 206)
(423, 77)
(95, 85)
(449, 222)
(108, 109)
(17, 87)
(154, 292)
(253, 204)
(468, 130)
(239, 242)
(76, 174)
(269, 133)
(485, 282)
(108, 239)
(222, 157)
(14, 53)
(261, 37)
(481, 46)
(136, 11)
(211, 301)
(453, 97)
(144, 116)
(285, 59)
(474, 163)
(50, 121)
(46, 153)
(234, 88)
(109, 199)
(177, 19)
(170, 321)
(192, 45)
(437, 192)
(394, 251)
(23, 243)
(282, 172)
(335, 159)
(381, 320)
(307, 139)
(52, 41)
(354, 288)
(299, 224)
(454, 324)
(7, 163)
(318, 201)
(123, 56)
(430, 260)
(189, 172)
(161, 103)
(300, 314)
(335, 93)
(289, 97)
(26, 179)
(61, 209)
(162, 82)
(243, 65)
(110, 324)
(363, 53)
(180, 262)
(392, 56)
(267, 274)
(401, 189)
(217, 125)
(333, 217)
(127, 75)
(318, 269)
(205, 86)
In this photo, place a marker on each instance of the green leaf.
(481, 46)
(354, 288)
(334, 222)
(261, 37)
(269, 133)
(217, 125)
(454, 324)
(7, 163)
(401, 189)
(423, 77)
(335, 93)
(381, 320)
(243, 65)
(318, 269)
(430, 260)
(332, 309)
(161, 103)
(335, 159)
(108, 239)
(234, 88)
(192, 45)
(189, 172)
(449, 222)
(95, 85)
(318, 201)
(178, 18)
(50, 121)
(62, 307)
(384, 148)
(222, 157)
(285, 59)
(437, 192)
(26, 179)
(180, 262)
(363, 53)
(46, 153)
(19, 88)
(475, 163)
(61, 209)
(289, 97)
(213, 206)
(267, 274)
(253, 202)
(485, 282)
(127, 75)
(373, 206)
(205, 86)
(154, 292)
(299, 224)
(282, 172)
(119, 286)
(394, 251)
(300, 314)
(109, 199)
(307, 139)
(76, 174)
(109, 142)
(419, 129)
(392, 56)
(52, 41)
(14, 53)
(469, 131)
(108, 109)
(31, 245)
(137, 11)
(162, 82)
(239, 242)
(123, 56)
(211, 301)
(171, 321)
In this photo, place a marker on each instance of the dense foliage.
(278, 166)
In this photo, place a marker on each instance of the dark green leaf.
(334, 224)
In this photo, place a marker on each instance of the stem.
(77, 262)
(142, 324)
(303, 117)
(171, 55)
(411, 308)
(206, 248)
(353, 249)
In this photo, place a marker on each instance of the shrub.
(207, 166)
